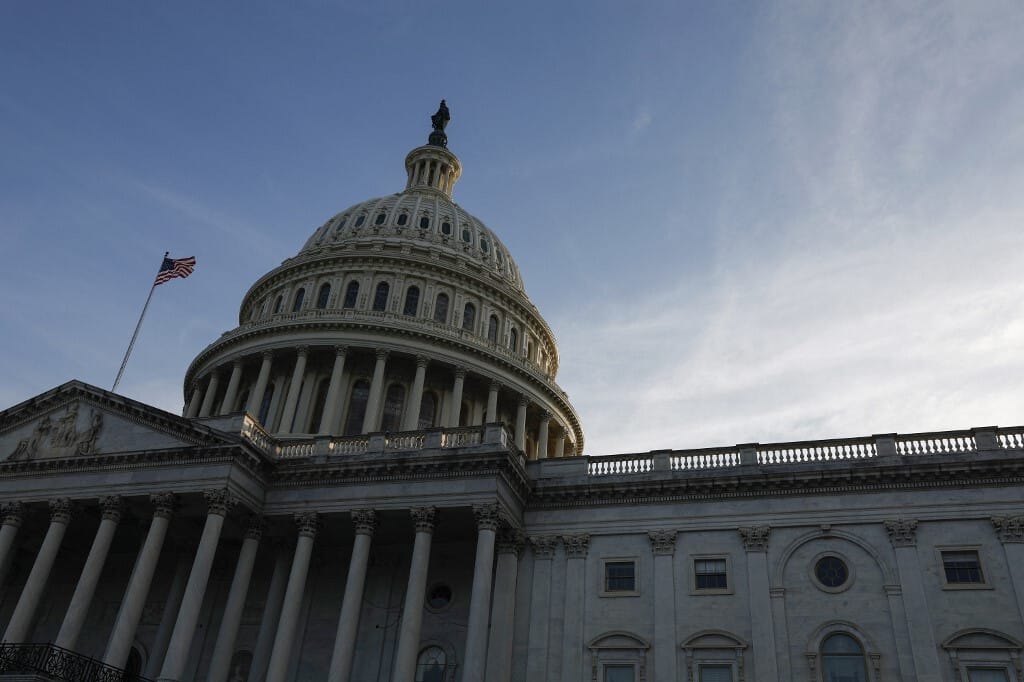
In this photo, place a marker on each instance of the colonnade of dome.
(400, 313)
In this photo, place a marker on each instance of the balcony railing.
(61, 664)
(887, 446)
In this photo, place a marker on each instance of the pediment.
(76, 420)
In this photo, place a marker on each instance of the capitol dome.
(402, 313)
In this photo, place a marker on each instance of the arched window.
(469, 317)
(424, 223)
(357, 408)
(133, 666)
(394, 401)
(380, 219)
(446, 228)
(403, 218)
(431, 664)
(428, 411)
(842, 659)
(513, 340)
(360, 220)
(492, 329)
(321, 298)
(441, 308)
(351, 294)
(484, 245)
(277, 304)
(380, 297)
(466, 235)
(299, 296)
(412, 301)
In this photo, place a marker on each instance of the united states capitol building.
(376, 478)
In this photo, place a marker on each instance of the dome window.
(441, 308)
(360, 220)
(403, 218)
(341, 223)
(323, 296)
(380, 297)
(425, 223)
(446, 228)
(412, 301)
(492, 329)
(300, 295)
(466, 236)
(499, 256)
(351, 294)
(513, 340)
(277, 304)
(469, 317)
(381, 217)
(484, 245)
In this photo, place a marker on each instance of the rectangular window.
(620, 576)
(619, 673)
(987, 675)
(710, 574)
(715, 673)
(962, 567)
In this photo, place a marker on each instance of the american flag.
(175, 267)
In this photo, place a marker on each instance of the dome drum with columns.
(400, 313)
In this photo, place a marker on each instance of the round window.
(439, 597)
(831, 571)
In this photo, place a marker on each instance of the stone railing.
(297, 447)
(51, 662)
(887, 447)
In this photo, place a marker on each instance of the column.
(1010, 530)
(492, 403)
(218, 502)
(211, 394)
(172, 604)
(371, 422)
(576, 547)
(193, 405)
(231, 394)
(121, 637)
(412, 611)
(21, 621)
(455, 414)
(755, 541)
(280, 657)
(560, 445)
(542, 435)
(74, 618)
(329, 420)
(540, 601)
(663, 546)
(499, 648)
(365, 521)
(903, 536)
(271, 613)
(220, 662)
(13, 514)
(294, 386)
(898, 615)
(412, 408)
(480, 599)
(256, 396)
(521, 423)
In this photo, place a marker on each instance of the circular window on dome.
(439, 597)
(446, 227)
(832, 573)
(403, 219)
(424, 223)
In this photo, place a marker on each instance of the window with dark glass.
(492, 329)
(277, 304)
(446, 227)
(357, 408)
(440, 596)
(978, 674)
(412, 301)
(842, 659)
(831, 571)
(441, 308)
(715, 673)
(962, 567)
(360, 220)
(428, 411)
(381, 217)
(513, 339)
(403, 218)
(619, 673)
(710, 574)
(299, 296)
(484, 245)
(380, 297)
(469, 317)
(620, 576)
(321, 298)
(466, 235)
(424, 223)
(394, 401)
(351, 295)
(430, 665)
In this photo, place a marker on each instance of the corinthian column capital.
(219, 501)
(425, 518)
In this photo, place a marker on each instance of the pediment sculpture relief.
(61, 438)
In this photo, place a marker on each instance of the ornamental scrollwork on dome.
(487, 516)
(902, 533)
(13, 513)
(663, 542)
(755, 538)
(164, 504)
(61, 510)
(112, 507)
(364, 520)
(308, 523)
(544, 546)
(424, 518)
(219, 501)
(576, 546)
(1010, 529)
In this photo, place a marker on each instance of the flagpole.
(131, 344)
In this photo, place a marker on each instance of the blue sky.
(744, 221)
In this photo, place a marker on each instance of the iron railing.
(61, 664)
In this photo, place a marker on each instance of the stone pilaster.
(755, 542)
(903, 536)
(1010, 530)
